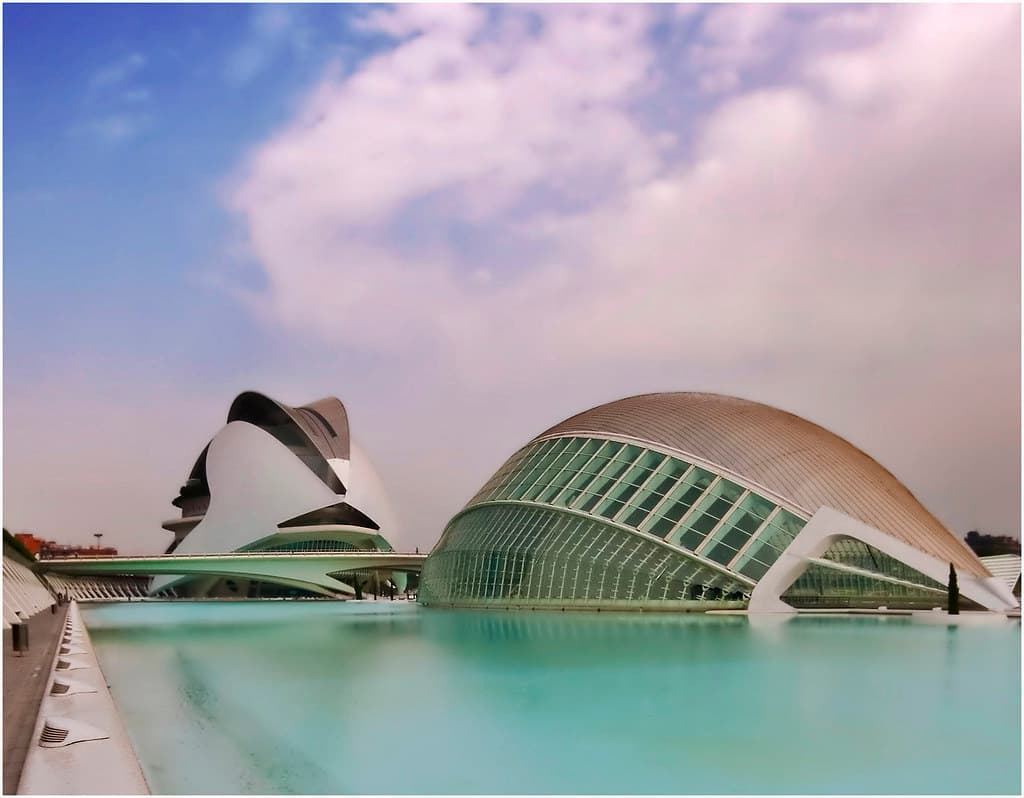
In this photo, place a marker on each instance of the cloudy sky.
(471, 222)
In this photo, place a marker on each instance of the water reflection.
(367, 698)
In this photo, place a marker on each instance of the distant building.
(992, 545)
(30, 542)
(694, 501)
(50, 549)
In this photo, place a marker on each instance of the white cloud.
(465, 130)
(117, 128)
(273, 31)
(739, 35)
(117, 72)
(861, 213)
(113, 101)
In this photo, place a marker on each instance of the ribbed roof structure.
(790, 456)
(1004, 567)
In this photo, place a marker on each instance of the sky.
(470, 222)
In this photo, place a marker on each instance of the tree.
(987, 545)
(953, 593)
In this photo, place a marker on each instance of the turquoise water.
(381, 697)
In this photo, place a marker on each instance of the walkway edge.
(105, 766)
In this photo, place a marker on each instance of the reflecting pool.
(382, 697)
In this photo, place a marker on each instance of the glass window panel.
(772, 540)
(556, 485)
(637, 475)
(662, 483)
(754, 569)
(536, 475)
(581, 455)
(674, 468)
(610, 449)
(720, 553)
(528, 474)
(630, 453)
(678, 502)
(551, 472)
(699, 477)
(596, 490)
(651, 460)
(525, 483)
(698, 530)
(610, 508)
(788, 523)
(708, 512)
(741, 523)
(687, 496)
(636, 515)
(757, 505)
(581, 481)
(589, 500)
(661, 526)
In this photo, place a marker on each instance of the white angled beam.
(827, 526)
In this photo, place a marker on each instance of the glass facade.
(687, 505)
(309, 546)
(557, 523)
(508, 554)
(822, 585)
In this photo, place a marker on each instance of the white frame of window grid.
(508, 522)
(534, 473)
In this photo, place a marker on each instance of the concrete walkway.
(24, 681)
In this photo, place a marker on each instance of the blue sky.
(469, 223)
(114, 145)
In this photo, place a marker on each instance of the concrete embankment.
(79, 745)
(26, 675)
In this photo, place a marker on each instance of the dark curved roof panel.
(324, 423)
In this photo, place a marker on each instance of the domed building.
(279, 479)
(694, 501)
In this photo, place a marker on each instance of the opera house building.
(279, 479)
(692, 501)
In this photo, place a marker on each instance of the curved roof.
(792, 457)
(324, 422)
(320, 426)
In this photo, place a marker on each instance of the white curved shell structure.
(278, 478)
(695, 501)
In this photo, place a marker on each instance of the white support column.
(828, 525)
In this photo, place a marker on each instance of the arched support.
(828, 525)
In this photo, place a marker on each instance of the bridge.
(314, 571)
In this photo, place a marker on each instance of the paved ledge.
(968, 618)
(963, 619)
(25, 678)
(105, 766)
